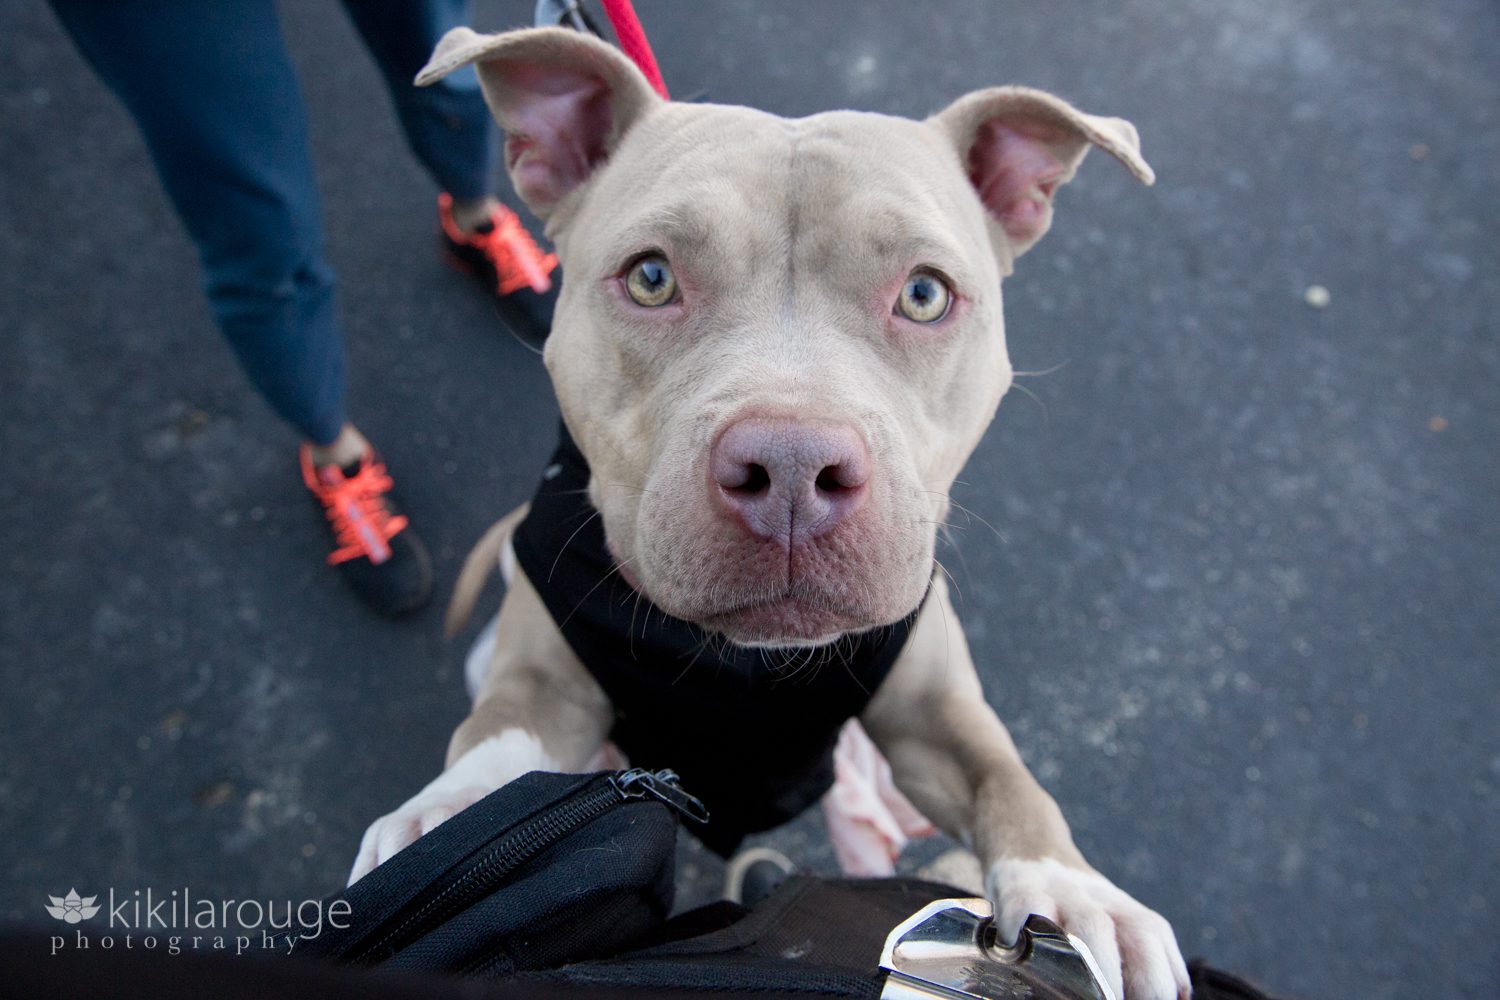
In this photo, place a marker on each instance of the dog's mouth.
(802, 613)
(794, 618)
(798, 616)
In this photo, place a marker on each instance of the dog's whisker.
(630, 489)
(1045, 371)
(783, 666)
(565, 545)
(696, 656)
(969, 513)
(951, 579)
(516, 336)
(847, 660)
(1046, 416)
(947, 638)
(590, 593)
(966, 511)
(635, 606)
(807, 658)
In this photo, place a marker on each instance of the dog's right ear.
(564, 99)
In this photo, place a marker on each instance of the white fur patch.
(477, 663)
(507, 563)
(495, 761)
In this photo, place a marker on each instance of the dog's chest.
(751, 731)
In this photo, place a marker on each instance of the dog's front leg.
(955, 761)
(538, 709)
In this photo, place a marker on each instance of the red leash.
(632, 36)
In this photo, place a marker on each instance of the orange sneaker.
(506, 260)
(374, 546)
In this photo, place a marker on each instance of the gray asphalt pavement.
(1232, 572)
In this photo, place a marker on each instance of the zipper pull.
(663, 786)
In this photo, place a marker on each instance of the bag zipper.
(526, 841)
(664, 786)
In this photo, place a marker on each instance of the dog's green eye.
(650, 282)
(924, 298)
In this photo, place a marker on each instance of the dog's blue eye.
(924, 298)
(650, 282)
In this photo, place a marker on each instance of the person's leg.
(220, 110)
(447, 124)
(217, 103)
(448, 127)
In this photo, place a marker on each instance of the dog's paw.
(1133, 946)
(486, 766)
(395, 830)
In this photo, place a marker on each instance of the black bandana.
(751, 731)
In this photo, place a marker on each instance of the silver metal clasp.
(950, 949)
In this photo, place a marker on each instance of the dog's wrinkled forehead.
(571, 105)
(731, 187)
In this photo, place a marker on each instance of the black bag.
(555, 886)
(561, 885)
(818, 937)
(551, 868)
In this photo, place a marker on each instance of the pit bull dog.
(777, 344)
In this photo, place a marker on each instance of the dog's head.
(778, 340)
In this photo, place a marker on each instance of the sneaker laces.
(356, 509)
(504, 239)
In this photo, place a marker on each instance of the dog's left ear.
(565, 100)
(1019, 146)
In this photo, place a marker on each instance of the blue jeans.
(210, 86)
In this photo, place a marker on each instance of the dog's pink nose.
(788, 480)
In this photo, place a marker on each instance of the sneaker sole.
(517, 323)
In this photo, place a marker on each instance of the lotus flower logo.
(71, 908)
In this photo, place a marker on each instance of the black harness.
(751, 731)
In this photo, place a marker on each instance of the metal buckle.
(569, 13)
(950, 949)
